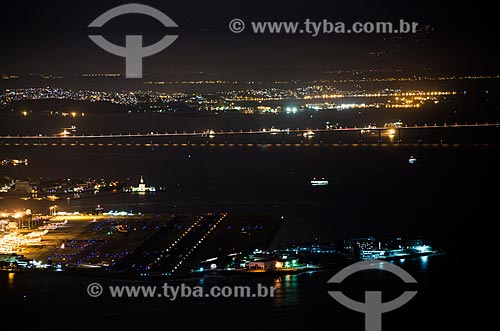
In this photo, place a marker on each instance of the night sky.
(51, 37)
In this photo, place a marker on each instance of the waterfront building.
(142, 188)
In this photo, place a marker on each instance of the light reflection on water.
(424, 260)
(421, 263)
(292, 290)
(287, 291)
(11, 277)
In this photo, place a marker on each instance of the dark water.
(301, 301)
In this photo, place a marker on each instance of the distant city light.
(18, 215)
(118, 213)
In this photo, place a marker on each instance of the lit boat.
(391, 132)
(412, 160)
(209, 133)
(67, 131)
(321, 182)
(19, 162)
(369, 129)
(397, 124)
(274, 131)
(309, 134)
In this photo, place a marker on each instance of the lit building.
(263, 265)
(142, 188)
(370, 248)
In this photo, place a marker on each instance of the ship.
(67, 132)
(208, 133)
(370, 129)
(309, 134)
(319, 182)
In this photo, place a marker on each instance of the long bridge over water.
(445, 134)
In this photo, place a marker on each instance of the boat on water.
(308, 134)
(319, 182)
(370, 129)
(208, 133)
(66, 132)
(412, 160)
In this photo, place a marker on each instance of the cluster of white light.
(11, 242)
(64, 213)
(118, 213)
(16, 214)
